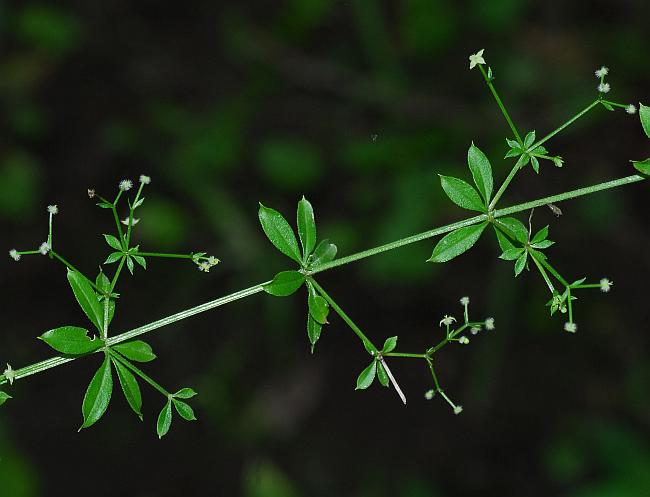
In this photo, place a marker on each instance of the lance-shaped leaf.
(306, 227)
(520, 264)
(456, 243)
(279, 232)
(382, 376)
(104, 284)
(135, 350)
(367, 376)
(325, 252)
(314, 330)
(164, 419)
(113, 242)
(540, 235)
(4, 397)
(504, 243)
(318, 306)
(644, 116)
(285, 283)
(529, 139)
(71, 340)
(481, 171)
(185, 393)
(389, 345)
(462, 193)
(514, 228)
(130, 387)
(642, 166)
(185, 410)
(87, 298)
(98, 394)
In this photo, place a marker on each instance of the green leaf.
(98, 394)
(104, 205)
(514, 228)
(113, 242)
(535, 163)
(314, 330)
(513, 144)
(607, 106)
(325, 252)
(540, 235)
(511, 254)
(71, 340)
(462, 193)
(318, 306)
(102, 282)
(185, 393)
(285, 283)
(529, 139)
(367, 376)
(513, 152)
(130, 387)
(481, 171)
(164, 419)
(279, 232)
(129, 264)
(504, 243)
(522, 161)
(521, 263)
(135, 350)
(642, 166)
(389, 345)
(186, 412)
(540, 150)
(644, 116)
(113, 257)
(306, 227)
(4, 397)
(141, 260)
(544, 244)
(382, 376)
(87, 298)
(456, 243)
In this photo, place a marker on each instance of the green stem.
(129, 335)
(405, 354)
(552, 270)
(566, 124)
(504, 185)
(131, 212)
(344, 316)
(500, 104)
(124, 361)
(543, 272)
(117, 274)
(161, 254)
(72, 268)
(117, 218)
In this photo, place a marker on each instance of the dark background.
(356, 104)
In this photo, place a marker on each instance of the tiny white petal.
(145, 180)
(126, 185)
(602, 72)
(13, 253)
(458, 409)
(429, 394)
(489, 324)
(53, 209)
(464, 301)
(570, 327)
(630, 109)
(476, 59)
(125, 221)
(606, 285)
(447, 320)
(10, 374)
(44, 248)
(603, 87)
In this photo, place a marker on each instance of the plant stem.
(58, 361)
(542, 272)
(566, 124)
(117, 274)
(124, 361)
(504, 185)
(72, 268)
(131, 211)
(344, 316)
(500, 104)
(404, 354)
(161, 254)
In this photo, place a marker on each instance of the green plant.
(517, 242)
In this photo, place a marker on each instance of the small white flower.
(474, 330)
(463, 340)
(489, 324)
(602, 72)
(476, 59)
(606, 285)
(458, 409)
(145, 180)
(204, 266)
(570, 327)
(429, 394)
(44, 248)
(10, 374)
(464, 301)
(213, 261)
(447, 320)
(13, 253)
(125, 221)
(603, 88)
(126, 185)
(91, 192)
(53, 209)
(630, 109)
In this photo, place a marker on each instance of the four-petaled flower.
(447, 320)
(476, 59)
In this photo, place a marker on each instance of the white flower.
(126, 185)
(145, 180)
(53, 209)
(602, 72)
(125, 221)
(91, 192)
(464, 301)
(570, 327)
(213, 261)
(463, 340)
(447, 320)
(13, 253)
(606, 285)
(204, 266)
(630, 109)
(489, 324)
(603, 87)
(476, 59)
(44, 248)
(10, 374)
(429, 394)
(474, 330)
(458, 409)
